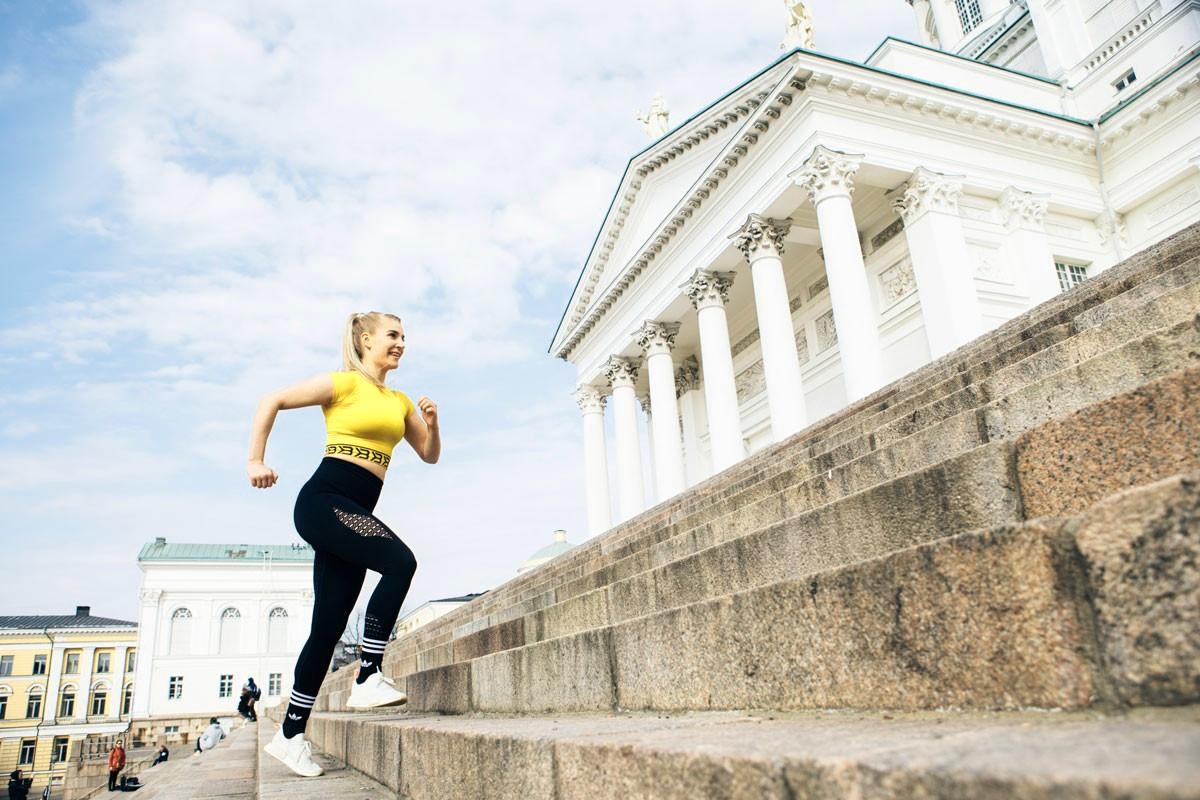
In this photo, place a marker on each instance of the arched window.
(181, 632)
(231, 623)
(99, 704)
(127, 700)
(33, 706)
(277, 630)
(66, 701)
(5, 693)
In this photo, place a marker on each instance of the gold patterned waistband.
(357, 451)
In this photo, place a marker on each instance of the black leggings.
(333, 514)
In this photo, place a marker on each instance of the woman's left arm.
(421, 430)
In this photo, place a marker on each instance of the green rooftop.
(162, 550)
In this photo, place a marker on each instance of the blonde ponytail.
(356, 326)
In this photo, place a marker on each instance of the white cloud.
(264, 169)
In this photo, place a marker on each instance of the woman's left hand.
(429, 411)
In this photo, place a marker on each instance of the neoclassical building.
(213, 615)
(829, 225)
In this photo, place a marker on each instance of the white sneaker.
(375, 692)
(295, 753)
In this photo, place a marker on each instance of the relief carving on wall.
(897, 282)
(802, 346)
(826, 331)
(750, 381)
(989, 264)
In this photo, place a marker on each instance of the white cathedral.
(829, 225)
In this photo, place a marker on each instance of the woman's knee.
(403, 562)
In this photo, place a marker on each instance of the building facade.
(213, 615)
(830, 225)
(63, 678)
(428, 611)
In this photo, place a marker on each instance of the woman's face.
(385, 345)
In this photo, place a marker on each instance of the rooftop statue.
(800, 27)
(656, 121)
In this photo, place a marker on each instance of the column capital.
(687, 377)
(926, 191)
(761, 236)
(708, 288)
(656, 337)
(644, 402)
(828, 173)
(1021, 209)
(621, 372)
(591, 399)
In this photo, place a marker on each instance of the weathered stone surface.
(277, 782)
(582, 613)
(1133, 439)
(1120, 370)
(373, 747)
(1142, 551)
(503, 636)
(976, 621)
(226, 773)
(446, 689)
(719, 756)
(572, 673)
(975, 490)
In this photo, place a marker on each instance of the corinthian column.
(687, 391)
(761, 242)
(631, 498)
(709, 291)
(828, 177)
(941, 264)
(656, 340)
(1024, 216)
(599, 510)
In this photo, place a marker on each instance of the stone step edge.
(1117, 274)
(848, 465)
(1048, 353)
(1093, 659)
(1003, 375)
(839, 463)
(856, 409)
(775, 756)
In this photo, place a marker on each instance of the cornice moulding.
(811, 73)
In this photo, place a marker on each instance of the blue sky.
(196, 195)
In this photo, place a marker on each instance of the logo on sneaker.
(294, 716)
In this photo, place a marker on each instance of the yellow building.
(62, 679)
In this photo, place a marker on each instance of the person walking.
(18, 785)
(364, 421)
(116, 763)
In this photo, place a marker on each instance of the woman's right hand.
(261, 476)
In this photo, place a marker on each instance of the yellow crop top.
(363, 420)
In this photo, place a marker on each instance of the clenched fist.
(429, 411)
(261, 476)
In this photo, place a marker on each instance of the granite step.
(1051, 613)
(277, 782)
(227, 772)
(774, 756)
(783, 528)
(1157, 311)
(766, 463)
(524, 604)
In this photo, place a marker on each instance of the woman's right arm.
(316, 391)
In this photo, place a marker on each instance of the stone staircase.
(873, 608)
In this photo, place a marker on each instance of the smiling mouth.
(396, 353)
